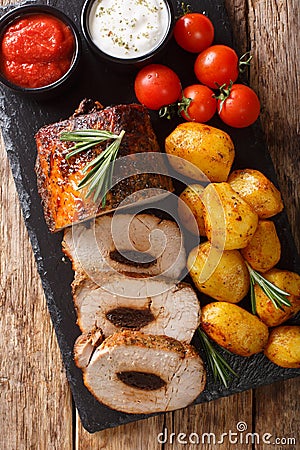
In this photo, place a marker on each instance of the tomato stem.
(245, 63)
(185, 9)
(168, 111)
(223, 95)
(183, 106)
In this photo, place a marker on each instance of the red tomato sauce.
(36, 51)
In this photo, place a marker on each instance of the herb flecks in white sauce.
(124, 31)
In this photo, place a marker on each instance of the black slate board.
(21, 117)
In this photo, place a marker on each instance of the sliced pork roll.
(128, 244)
(85, 346)
(137, 373)
(149, 305)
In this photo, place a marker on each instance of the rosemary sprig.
(221, 370)
(85, 139)
(99, 171)
(277, 296)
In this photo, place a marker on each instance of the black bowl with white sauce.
(128, 34)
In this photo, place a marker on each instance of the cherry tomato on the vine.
(217, 65)
(240, 107)
(202, 105)
(157, 85)
(194, 32)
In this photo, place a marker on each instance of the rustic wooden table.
(36, 410)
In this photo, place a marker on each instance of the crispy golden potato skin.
(290, 283)
(229, 221)
(257, 190)
(230, 279)
(264, 249)
(234, 328)
(283, 347)
(208, 148)
(191, 210)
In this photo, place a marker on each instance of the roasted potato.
(283, 347)
(190, 209)
(221, 275)
(229, 221)
(203, 153)
(257, 190)
(288, 282)
(234, 328)
(264, 249)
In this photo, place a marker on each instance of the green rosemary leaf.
(252, 296)
(95, 162)
(96, 187)
(274, 287)
(225, 363)
(97, 179)
(278, 299)
(86, 180)
(107, 183)
(103, 175)
(85, 139)
(91, 170)
(282, 300)
(80, 135)
(98, 172)
(220, 373)
(77, 138)
(100, 190)
(80, 148)
(107, 153)
(220, 368)
(277, 296)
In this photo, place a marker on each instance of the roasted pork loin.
(138, 373)
(57, 178)
(128, 244)
(85, 346)
(147, 305)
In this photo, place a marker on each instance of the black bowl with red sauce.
(40, 49)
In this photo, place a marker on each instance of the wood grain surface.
(36, 410)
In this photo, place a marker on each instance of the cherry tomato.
(157, 85)
(194, 32)
(241, 108)
(217, 65)
(202, 106)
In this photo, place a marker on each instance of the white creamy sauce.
(128, 29)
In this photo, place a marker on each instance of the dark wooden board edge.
(55, 264)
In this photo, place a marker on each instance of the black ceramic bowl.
(124, 62)
(57, 86)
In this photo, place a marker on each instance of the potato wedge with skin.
(223, 275)
(283, 347)
(234, 328)
(211, 150)
(264, 249)
(288, 282)
(230, 222)
(257, 190)
(190, 209)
